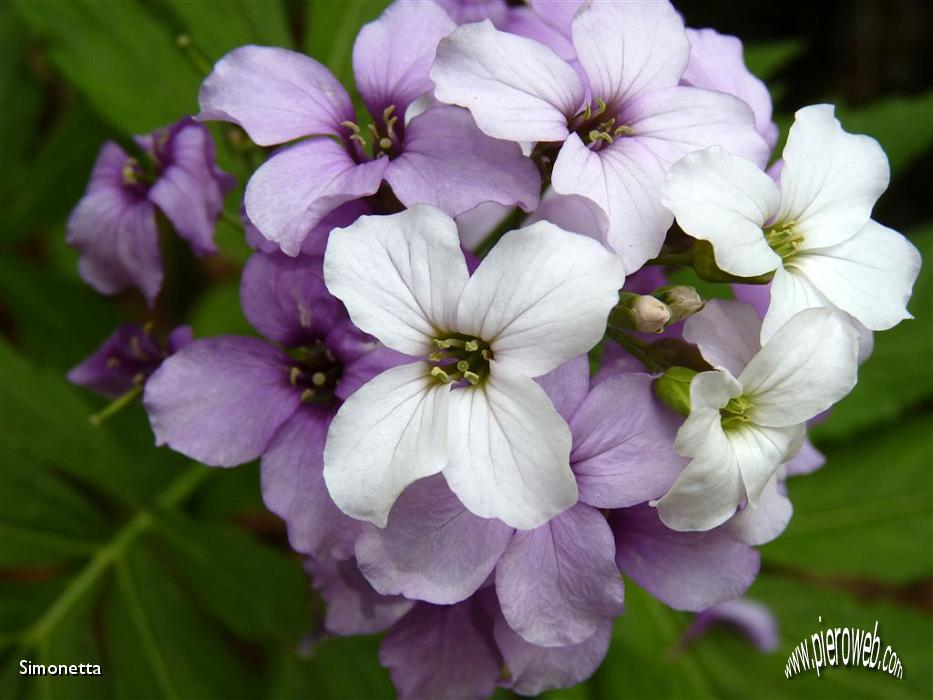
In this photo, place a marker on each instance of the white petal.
(509, 452)
(713, 389)
(389, 433)
(791, 293)
(726, 333)
(721, 198)
(541, 297)
(869, 276)
(400, 276)
(808, 365)
(630, 47)
(709, 489)
(761, 523)
(517, 89)
(831, 179)
(759, 451)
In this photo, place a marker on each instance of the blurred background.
(177, 581)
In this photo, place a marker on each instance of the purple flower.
(228, 400)
(114, 225)
(750, 618)
(127, 358)
(438, 157)
(612, 122)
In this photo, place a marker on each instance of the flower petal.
(533, 669)
(726, 200)
(433, 549)
(629, 48)
(806, 461)
(390, 433)
(221, 400)
(114, 231)
(804, 368)
(353, 606)
(400, 276)
(509, 452)
(450, 164)
(686, 570)
(285, 298)
(516, 88)
(293, 488)
(791, 293)
(298, 186)
(276, 95)
(726, 334)
(869, 276)
(540, 297)
(760, 523)
(749, 617)
(559, 582)
(567, 385)
(442, 652)
(831, 179)
(759, 452)
(623, 443)
(392, 54)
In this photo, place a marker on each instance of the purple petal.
(686, 570)
(190, 189)
(299, 186)
(393, 54)
(114, 230)
(716, 63)
(450, 164)
(567, 385)
(353, 607)
(533, 669)
(547, 22)
(442, 652)
(179, 338)
(572, 213)
(362, 356)
(221, 400)
(466, 11)
(726, 333)
(557, 583)
(276, 95)
(285, 299)
(623, 443)
(293, 487)
(123, 361)
(752, 619)
(809, 459)
(433, 548)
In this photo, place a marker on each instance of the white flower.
(469, 407)
(815, 232)
(740, 430)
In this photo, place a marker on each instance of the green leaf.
(869, 511)
(766, 58)
(218, 312)
(120, 57)
(899, 375)
(332, 28)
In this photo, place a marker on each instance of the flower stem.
(115, 406)
(634, 347)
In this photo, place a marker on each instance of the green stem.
(510, 222)
(635, 347)
(193, 54)
(231, 219)
(117, 405)
(680, 258)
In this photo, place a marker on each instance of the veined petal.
(628, 48)
(803, 369)
(726, 333)
(400, 276)
(449, 163)
(276, 95)
(541, 297)
(388, 434)
(869, 276)
(791, 293)
(623, 443)
(516, 88)
(763, 522)
(221, 400)
(712, 390)
(709, 489)
(546, 22)
(433, 548)
(726, 200)
(557, 583)
(759, 452)
(509, 452)
(567, 385)
(831, 179)
(298, 186)
(686, 570)
(392, 54)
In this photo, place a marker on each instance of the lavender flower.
(114, 225)
(438, 157)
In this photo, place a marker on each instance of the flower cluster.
(476, 397)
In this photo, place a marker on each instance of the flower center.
(460, 358)
(783, 239)
(598, 129)
(379, 139)
(734, 413)
(315, 372)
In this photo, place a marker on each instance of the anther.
(294, 374)
(471, 377)
(471, 346)
(318, 379)
(307, 395)
(385, 143)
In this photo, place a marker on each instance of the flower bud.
(673, 388)
(641, 313)
(681, 300)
